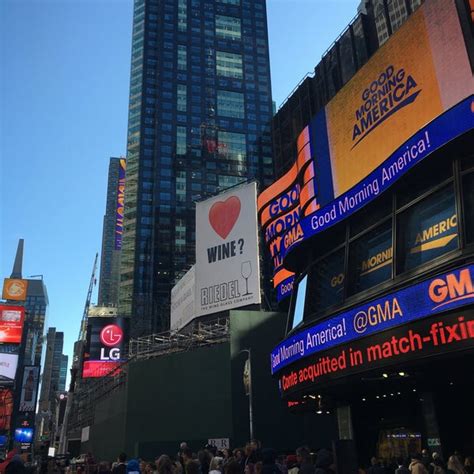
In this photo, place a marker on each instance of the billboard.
(8, 365)
(106, 345)
(14, 289)
(6, 408)
(227, 258)
(120, 204)
(29, 388)
(444, 292)
(280, 207)
(11, 323)
(182, 300)
(413, 96)
(429, 337)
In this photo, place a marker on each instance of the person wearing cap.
(292, 464)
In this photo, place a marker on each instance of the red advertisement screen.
(96, 368)
(11, 323)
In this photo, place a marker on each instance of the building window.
(181, 98)
(182, 57)
(381, 25)
(228, 181)
(180, 140)
(230, 104)
(468, 191)
(232, 146)
(326, 283)
(427, 230)
(397, 12)
(182, 15)
(230, 2)
(229, 65)
(228, 27)
(370, 258)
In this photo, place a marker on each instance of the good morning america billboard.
(413, 96)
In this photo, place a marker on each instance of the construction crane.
(77, 360)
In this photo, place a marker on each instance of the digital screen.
(24, 435)
(300, 302)
(399, 108)
(447, 291)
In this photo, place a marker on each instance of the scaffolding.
(91, 391)
(201, 333)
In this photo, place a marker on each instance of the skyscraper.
(112, 235)
(63, 373)
(199, 112)
(36, 306)
(50, 380)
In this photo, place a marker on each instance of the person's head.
(303, 455)
(469, 461)
(226, 453)
(455, 464)
(204, 457)
(425, 452)
(187, 454)
(104, 466)
(255, 444)
(122, 457)
(191, 467)
(216, 464)
(291, 461)
(258, 467)
(249, 468)
(248, 449)
(233, 467)
(183, 445)
(164, 465)
(133, 466)
(400, 462)
(142, 465)
(373, 461)
(416, 457)
(149, 468)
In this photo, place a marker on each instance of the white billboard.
(8, 364)
(182, 301)
(227, 264)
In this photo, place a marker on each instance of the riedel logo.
(111, 335)
(451, 288)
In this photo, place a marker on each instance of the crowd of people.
(424, 463)
(251, 459)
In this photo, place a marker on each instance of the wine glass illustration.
(246, 271)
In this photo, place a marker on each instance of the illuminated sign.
(120, 204)
(14, 289)
(280, 207)
(8, 366)
(6, 408)
(447, 291)
(11, 323)
(401, 106)
(105, 346)
(430, 337)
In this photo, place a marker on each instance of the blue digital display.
(300, 302)
(441, 293)
(24, 435)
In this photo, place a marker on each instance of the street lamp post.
(248, 351)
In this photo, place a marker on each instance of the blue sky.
(63, 112)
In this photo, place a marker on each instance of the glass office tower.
(199, 113)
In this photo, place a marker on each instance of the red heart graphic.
(223, 215)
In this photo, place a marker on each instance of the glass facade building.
(199, 114)
(110, 255)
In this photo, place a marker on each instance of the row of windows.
(417, 224)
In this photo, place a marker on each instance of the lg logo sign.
(110, 336)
